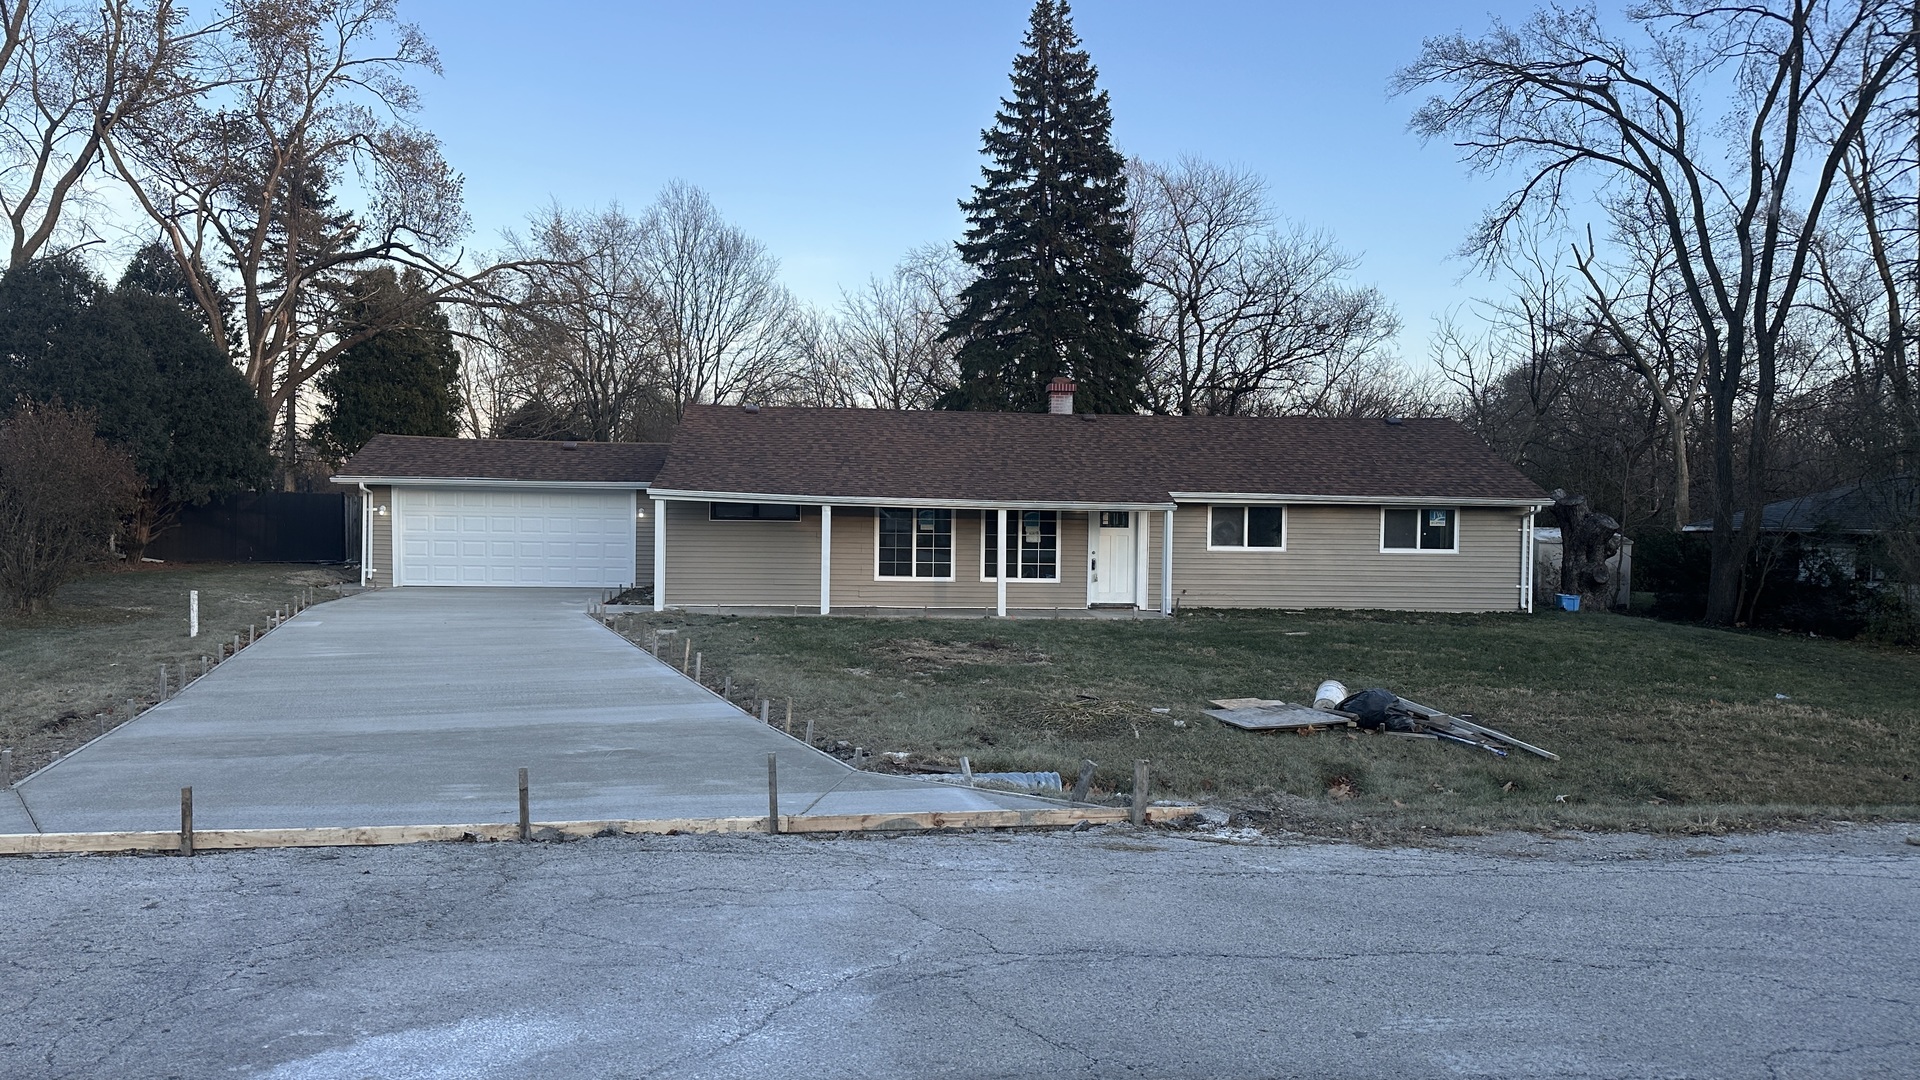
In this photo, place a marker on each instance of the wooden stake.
(726, 688)
(186, 821)
(250, 629)
(526, 816)
(99, 724)
(809, 730)
(788, 726)
(163, 682)
(6, 768)
(763, 710)
(966, 769)
(696, 668)
(686, 656)
(1085, 783)
(1140, 793)
(773, 794)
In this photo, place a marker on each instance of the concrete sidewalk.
(417, 706)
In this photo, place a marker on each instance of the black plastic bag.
(1378, 709)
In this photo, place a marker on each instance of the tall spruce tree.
(1046, 230)
(402, 381)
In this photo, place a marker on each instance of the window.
(916, 544)
(1115, 519)
(1243, 527)
(752, 512)
(1033, 550)
(1425, 529)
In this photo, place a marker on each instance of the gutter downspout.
(366, 531)
(1526, 562)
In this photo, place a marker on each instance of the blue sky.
(842, 134)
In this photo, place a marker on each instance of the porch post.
(1000, 565)
(1166, 562)
(826, 559)
(1140, 550)
(659, 553)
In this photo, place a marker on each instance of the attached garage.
(502, 512)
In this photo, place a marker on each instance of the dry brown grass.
(1659, 725)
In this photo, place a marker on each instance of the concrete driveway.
(417, 706)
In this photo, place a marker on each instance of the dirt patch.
(920, 654)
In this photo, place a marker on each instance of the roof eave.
(494, 481)
(1279, 498)
(677, 494)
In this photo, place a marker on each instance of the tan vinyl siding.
(380, 495)
(643, 540)
(1333, 560)
(777, 563)
(741, 562)
(856, 542)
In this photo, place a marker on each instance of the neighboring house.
(1832, 533)
(800, 509)
(503, 511)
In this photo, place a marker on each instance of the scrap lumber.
(1244, 703)
(1280, 716)
(1468, 727)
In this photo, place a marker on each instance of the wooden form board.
(382, 835)
(1279, 717)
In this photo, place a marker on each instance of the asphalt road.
(1107, 953)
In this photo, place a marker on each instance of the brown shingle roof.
(1039, 457)
(421, 457)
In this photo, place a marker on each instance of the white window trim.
(1244, 549)
(951, 562)
(989, 521)
(1417, 549)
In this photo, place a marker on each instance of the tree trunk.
(1586, 540)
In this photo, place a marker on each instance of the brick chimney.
(1060, 396)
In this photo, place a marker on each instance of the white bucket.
(1330, 695)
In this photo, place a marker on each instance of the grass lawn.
(1659, 726)
(106, 637)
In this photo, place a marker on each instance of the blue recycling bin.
(1568, 601)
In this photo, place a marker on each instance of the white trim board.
(1271, 499)
(454, 481)
(671, 495)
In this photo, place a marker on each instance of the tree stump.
(1587, 540)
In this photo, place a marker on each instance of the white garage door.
(525, 536)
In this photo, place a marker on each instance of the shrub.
(63, 491)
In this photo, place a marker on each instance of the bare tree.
(1245, 317)
(1565, 101)
(727, 330)
(1638, 302)
(242, 182)
(576, 352)
(71, 74)
(885, 348)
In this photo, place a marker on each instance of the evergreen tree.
(1047, 232)
(141, 363)
(403, 381)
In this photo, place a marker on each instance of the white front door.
(1112, 559)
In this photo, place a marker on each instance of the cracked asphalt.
(1105, 953)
